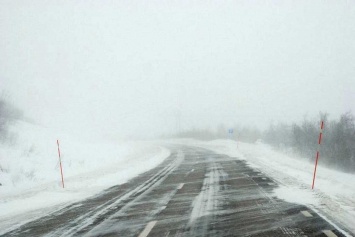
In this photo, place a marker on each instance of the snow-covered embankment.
(30, 174)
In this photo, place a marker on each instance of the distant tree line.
(338, 140)
(8, 114)
(245, 134)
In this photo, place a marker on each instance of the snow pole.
(60, 164)
(237, 140)
(317, 154)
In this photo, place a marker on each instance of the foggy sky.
(129, 68)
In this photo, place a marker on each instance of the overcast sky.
(127, 68)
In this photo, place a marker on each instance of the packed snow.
(31, 180)
(333, 196)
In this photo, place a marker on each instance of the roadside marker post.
(60, 163)
(317, 155)
(230, 132)
(237, 140)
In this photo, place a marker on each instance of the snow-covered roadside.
(334, 193)
(31, 184)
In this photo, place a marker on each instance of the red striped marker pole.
(317, 156)
(60, 163)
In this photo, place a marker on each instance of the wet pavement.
(194, 192)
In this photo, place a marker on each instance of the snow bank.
(334, 193)
(30, 176)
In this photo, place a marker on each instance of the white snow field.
(30, 175)
(333, 196)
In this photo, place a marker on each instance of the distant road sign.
(230, 130)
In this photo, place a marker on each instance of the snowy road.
(194, 192)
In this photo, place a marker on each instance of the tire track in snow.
(86, 222)
(206, 201)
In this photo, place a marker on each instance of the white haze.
(120, 69)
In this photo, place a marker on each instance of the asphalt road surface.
(194, 192)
